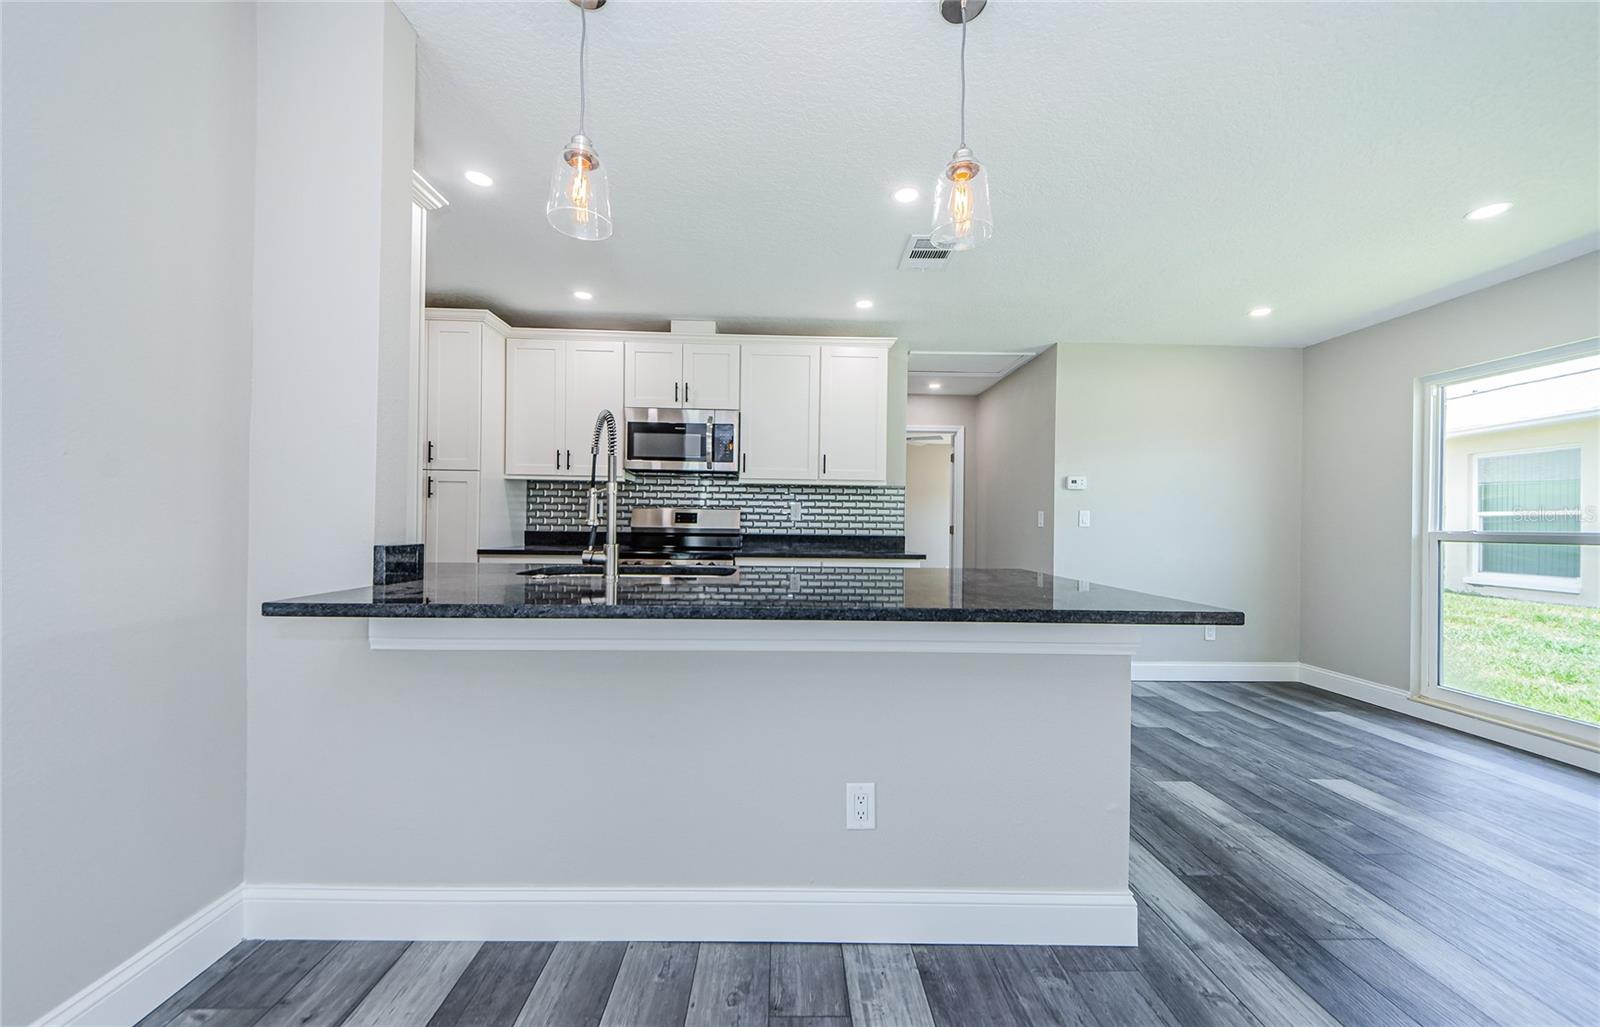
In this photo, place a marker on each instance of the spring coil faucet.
(608, 555)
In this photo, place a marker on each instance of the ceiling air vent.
(921, 254)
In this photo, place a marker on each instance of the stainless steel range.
(683, 540)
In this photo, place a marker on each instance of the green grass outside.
(1545, 656)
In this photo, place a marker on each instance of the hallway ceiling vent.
(921, 254)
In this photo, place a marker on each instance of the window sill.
(1526, 583)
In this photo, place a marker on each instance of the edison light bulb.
(580, 195)
(961, 218)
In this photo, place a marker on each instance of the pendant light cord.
(583, 46)
(963, 74)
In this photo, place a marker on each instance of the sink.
(628, 570)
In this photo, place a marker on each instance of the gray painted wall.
(128, 190)
(1015, 454)
(963, 411)
(1193, 458)
(1360, 451)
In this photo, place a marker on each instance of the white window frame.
(1506, 579)
(1428, 536)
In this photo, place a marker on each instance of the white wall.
(962, 411)
(128, 188)
(1014, 456)
(1359, 454)
(1193, 460)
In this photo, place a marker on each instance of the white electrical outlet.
(860, 807)
(1083, 518)
(794, 512)
(1211, 632)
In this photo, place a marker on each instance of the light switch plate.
(1083, 518)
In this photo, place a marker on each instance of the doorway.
(935, 468)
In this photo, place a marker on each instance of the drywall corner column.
(1016, 441)
(333, 84)
(397, 373)
(895, 459)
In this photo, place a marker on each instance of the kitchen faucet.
(607, 555)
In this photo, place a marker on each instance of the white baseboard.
(1402, 701)
(1398, 700)
(703, 914)
(154, 973)
(1178, 670)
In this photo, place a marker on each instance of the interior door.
(654, 376)
(711, 375)
(778, 412)
(855, 412)
(454, 379)
(594, 382)
(535, 408)
(452, 530)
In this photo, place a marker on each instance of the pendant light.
(580, 196)
(961, 215)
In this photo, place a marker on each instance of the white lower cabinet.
(451, 517)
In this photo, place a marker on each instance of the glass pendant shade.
(580, 197)
(961, 215)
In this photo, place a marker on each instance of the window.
(1509, 551)
(1538, 491)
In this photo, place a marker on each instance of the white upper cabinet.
(854, 414)
(654, 374)
(593, 383)
(535, 409)
(711, 375)
(455, 366)
(779, 393)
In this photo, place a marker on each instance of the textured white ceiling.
(1157, 169)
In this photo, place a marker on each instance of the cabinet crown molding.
(489, 318)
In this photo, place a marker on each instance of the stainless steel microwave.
(669, 439)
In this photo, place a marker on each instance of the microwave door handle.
(711, 427)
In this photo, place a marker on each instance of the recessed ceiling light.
(580, 294)
(906, 194)
(479, 178)
(1491, 210)
(1260, 311)
(863, 304)
(935, 385)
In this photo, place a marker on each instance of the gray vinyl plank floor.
(1300, 860)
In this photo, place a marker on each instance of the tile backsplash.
(811, 509)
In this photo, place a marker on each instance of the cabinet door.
(593, 383)
(854, 419)
(778, 412)
(535, 414)
(452, 530)
(654, 375)
(711, 375)
(455, 363)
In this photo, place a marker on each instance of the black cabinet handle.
(569, 459)
(824, 463)
(430, 451)
(558, 459)
(675, 392)
(686, 392)
(430, 486)
(744, 462)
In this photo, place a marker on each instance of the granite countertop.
(820, 547)
(496, 590)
